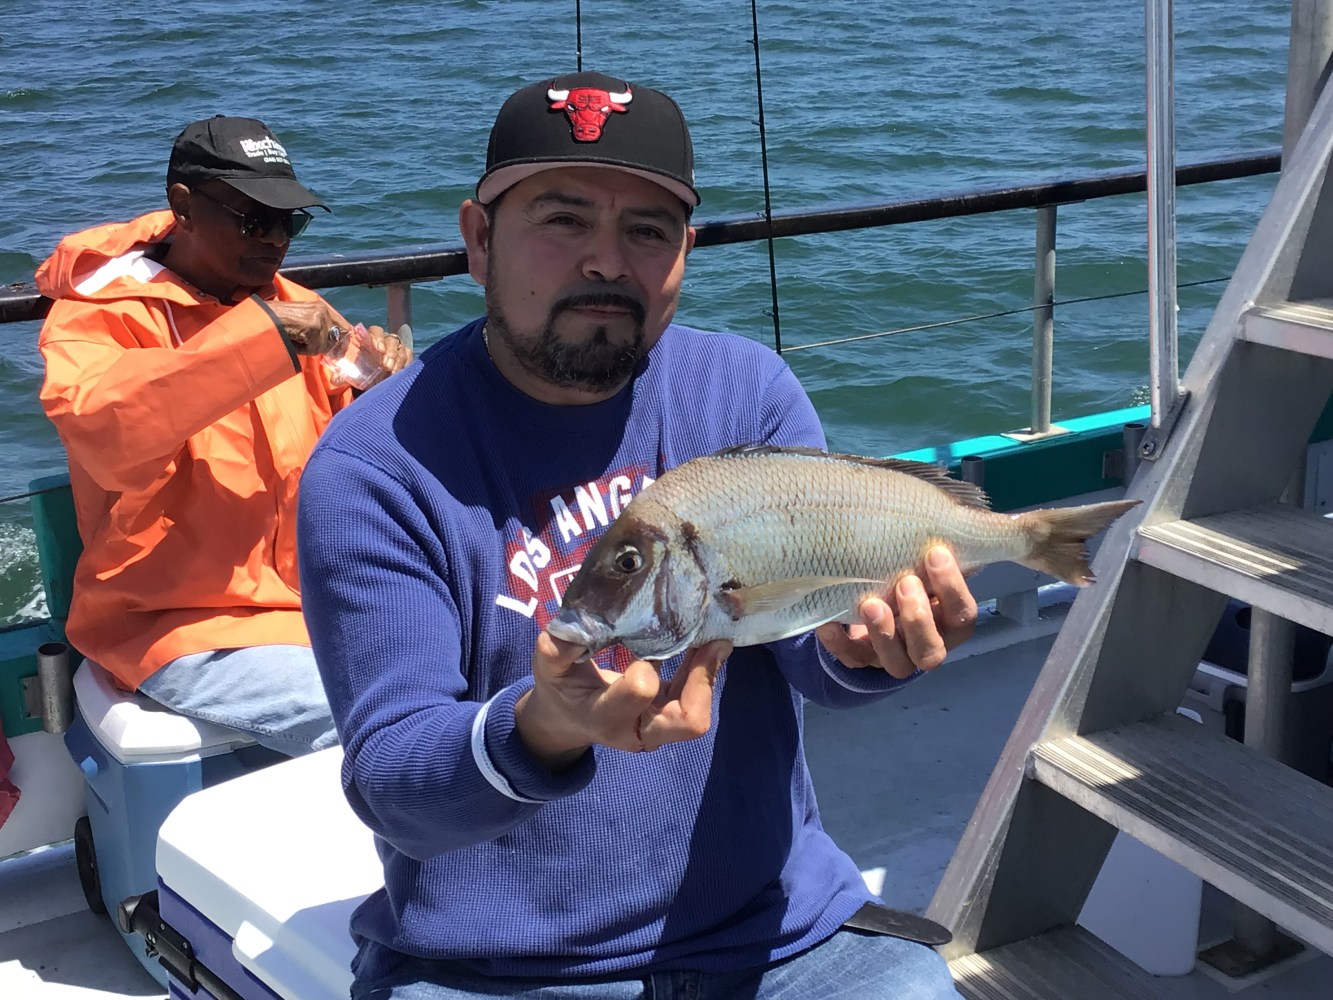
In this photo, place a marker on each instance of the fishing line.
(31, 493)
(958, 321)
(768, 204)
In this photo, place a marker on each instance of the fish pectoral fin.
(742, 602)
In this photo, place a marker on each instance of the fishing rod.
(768, 203)
(578, 35)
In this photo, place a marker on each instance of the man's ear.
(178, 197)
(475, 228)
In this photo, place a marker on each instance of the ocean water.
(385, 109)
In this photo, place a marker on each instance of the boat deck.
(897, 784)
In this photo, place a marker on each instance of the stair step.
(1064, 964)
(1260, 832)
(1303, 327)
(1275, 557)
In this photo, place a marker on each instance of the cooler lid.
(136, 729)
(278, 861)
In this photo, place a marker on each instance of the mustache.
(614, 300)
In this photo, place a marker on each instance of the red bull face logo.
(587, 109)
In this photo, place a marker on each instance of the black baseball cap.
(241, 152)
(589, 120)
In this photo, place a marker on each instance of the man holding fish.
(561, 818)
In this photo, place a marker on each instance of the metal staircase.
(1098, 748)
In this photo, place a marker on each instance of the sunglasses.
(261, 224)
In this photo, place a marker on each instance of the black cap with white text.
(243, 153)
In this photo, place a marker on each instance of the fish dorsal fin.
(750, 450)
(742, 602)
(967, 494)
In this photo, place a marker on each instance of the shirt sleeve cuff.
(863, 680)
(506, 763)
(286, 339)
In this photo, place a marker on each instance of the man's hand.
(309, 325)
(575, 704)
(928, 621)
(394, 349)
(386, 353)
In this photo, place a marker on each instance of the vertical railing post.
(1131, 436)
(1164, 387)
(1043, 321)
(398, 306)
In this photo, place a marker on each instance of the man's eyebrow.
(658, 214)
(561, 198)
(649, 212)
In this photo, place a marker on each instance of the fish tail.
(1058, 538)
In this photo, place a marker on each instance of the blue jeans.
(271, 692)
(851, 965)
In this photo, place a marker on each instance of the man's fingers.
(625, 706)
(684, 709)
(638, 685)
(875, 643)
(701, 669)
(393, 351)
(706, 659)
(334, 318)
(887, 640)
(848, 650)
(887, 634)
(685, 718)
(385, 348)
(553, 657)
(916, 620)
(397, 355)
(696, 697)
(338, 318)
(956, 608)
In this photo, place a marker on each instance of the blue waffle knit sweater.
(440, 518)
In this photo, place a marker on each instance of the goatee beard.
(595, 364)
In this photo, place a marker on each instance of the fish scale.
(852, 519)
(757, 544)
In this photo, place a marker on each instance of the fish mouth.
(579, 627)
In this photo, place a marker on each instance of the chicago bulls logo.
(587, 109)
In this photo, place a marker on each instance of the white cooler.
(138, 760)
(260, 874)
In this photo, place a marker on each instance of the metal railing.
(398, 270)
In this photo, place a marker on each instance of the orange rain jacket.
(187, 423)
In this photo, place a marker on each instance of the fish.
(757, 543)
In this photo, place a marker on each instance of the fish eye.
(629, 561)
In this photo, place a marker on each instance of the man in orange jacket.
(183, 376)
